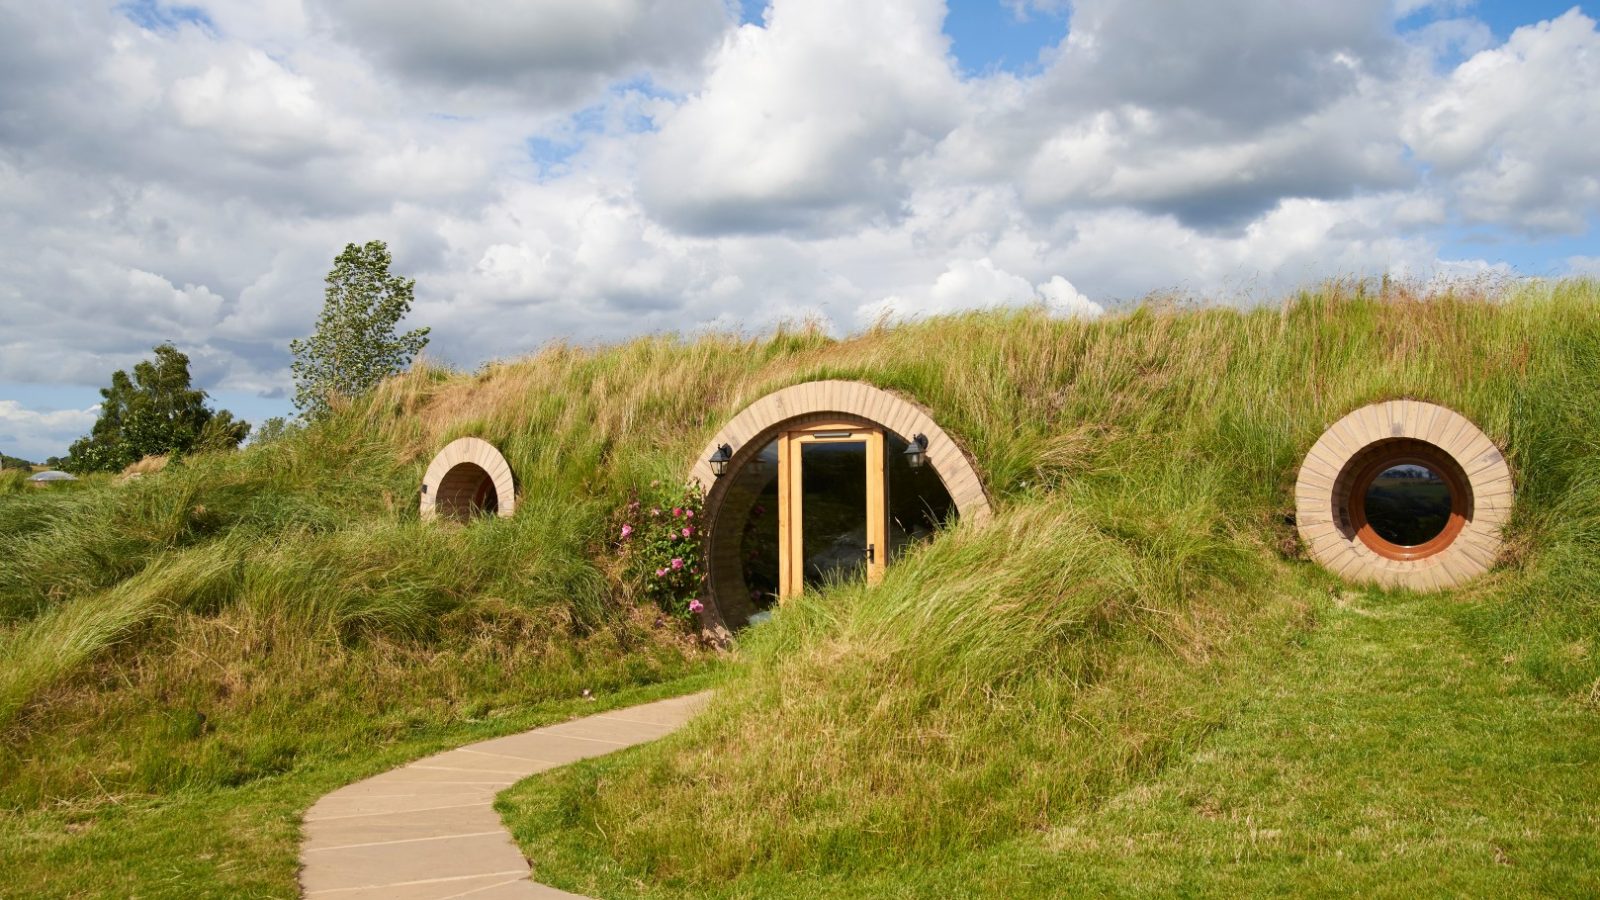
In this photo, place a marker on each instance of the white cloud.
(980, 284)
(193, 182)
(973, 283)
(1061, 298)
(35, 435)
(808, 122)
(1515, 130)
(552, 53)
(1168, 108)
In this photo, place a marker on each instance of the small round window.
(1408, 500)
(1406, 494)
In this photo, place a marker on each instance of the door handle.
(872, 553)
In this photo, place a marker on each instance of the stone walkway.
(428, 830)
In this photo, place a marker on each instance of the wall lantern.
(719, 460)
(917, 451)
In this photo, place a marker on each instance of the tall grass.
(230, 616)
(14, 481)
(63, 638)
(1142, 562)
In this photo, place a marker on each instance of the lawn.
(1385, 753)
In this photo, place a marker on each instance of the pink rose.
(688, 531)
(660, 573)
(695, 606)
(677, 563)
(677, 512)
(626, 530)
(688, 514)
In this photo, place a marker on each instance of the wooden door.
(824, 462)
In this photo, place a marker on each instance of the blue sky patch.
(153, 15)
(988, 36)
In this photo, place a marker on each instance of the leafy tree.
(355, 345)
(8, 461)
(155, 411)
(275, 428)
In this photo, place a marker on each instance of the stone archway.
(818, 401)
(469, 477)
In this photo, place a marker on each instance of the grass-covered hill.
(1130, 680)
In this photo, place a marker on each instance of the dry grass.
(146, 466)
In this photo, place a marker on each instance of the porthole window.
(1404, 493)
(1409, 500)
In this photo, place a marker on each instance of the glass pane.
(833, 479)
(756, 487)
(918, 502)
(1408, 504)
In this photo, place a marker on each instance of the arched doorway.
(819, 487)
(468, 478)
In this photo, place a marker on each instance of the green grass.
(1124, 615)
(1385, 756)
(188, 659)
(193, 838)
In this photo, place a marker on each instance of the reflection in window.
(833, 507)
(918, 502)
(1408, 504)
(756, 483)
(834, 484)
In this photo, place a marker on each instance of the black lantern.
(719, 460)
(917, 451)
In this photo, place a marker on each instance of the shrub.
(660, 541)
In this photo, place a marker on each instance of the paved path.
(428, 830)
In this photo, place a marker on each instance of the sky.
(589, 170)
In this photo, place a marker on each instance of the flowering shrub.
(659, 538)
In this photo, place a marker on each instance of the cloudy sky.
(590, 169)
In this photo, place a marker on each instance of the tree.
(273, 429)
(153, 412)
(355, 345)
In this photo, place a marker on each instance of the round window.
(1408, 500)
(1405, 494)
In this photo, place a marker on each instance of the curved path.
(428, 830)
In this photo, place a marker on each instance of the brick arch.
(761, 421)
(1326, 481)
(463, 473)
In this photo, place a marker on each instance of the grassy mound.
(189, 658)
(1139, 590)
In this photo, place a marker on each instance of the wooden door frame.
(791, 536)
